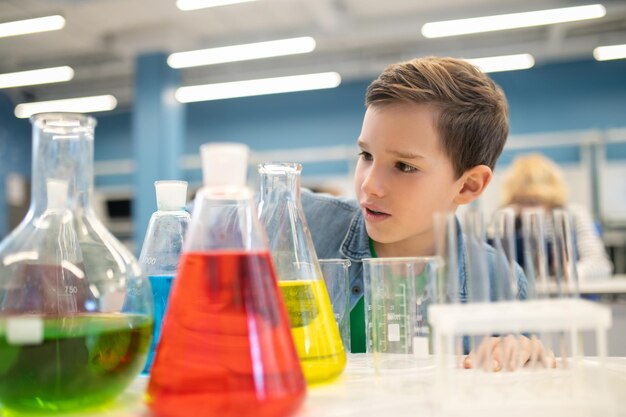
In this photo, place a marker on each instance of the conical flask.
(226, 347)
(65, 341)
(313, 325)
(161, 249)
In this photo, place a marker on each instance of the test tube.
(564, 257)
(535, 252)
(506, 254)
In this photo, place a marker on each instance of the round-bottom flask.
(66, 342)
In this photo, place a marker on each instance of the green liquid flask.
(300, 280)
(75, 311)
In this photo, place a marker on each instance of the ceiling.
(357, 38)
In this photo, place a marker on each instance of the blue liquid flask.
(161, 249)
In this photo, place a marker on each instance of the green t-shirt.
(357, 318)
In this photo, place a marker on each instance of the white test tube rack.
(568, 316)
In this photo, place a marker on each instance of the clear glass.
(73, 303)
(535, 251)
(313, 326)
(446, 231)
(335, 272)
(160, 254)
(506, 254)
(226, 346)
(477, 274)
(398, 292)
(564, 255)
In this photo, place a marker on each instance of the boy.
(432, 132)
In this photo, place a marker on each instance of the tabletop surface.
(590, 390)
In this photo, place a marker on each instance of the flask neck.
(286, 182)
(62, 151)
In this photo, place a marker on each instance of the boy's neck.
(422, 245)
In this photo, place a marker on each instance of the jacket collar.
(355, 246)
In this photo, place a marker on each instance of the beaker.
(65, 340)
(161, 249)
(335, 273)
(398, 292)
(313, 325)
(226, 347)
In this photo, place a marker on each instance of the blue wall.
(556, 97)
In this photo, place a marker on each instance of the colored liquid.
(82, 361)
(314, 329)
(160, 285)
(226, 347)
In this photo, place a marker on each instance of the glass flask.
(66, 342)
(226, 347)
(161, 249)
(313, 325)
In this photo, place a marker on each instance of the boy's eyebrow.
(406, 155)
(400, 154)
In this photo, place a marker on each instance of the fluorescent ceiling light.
(34, 77)
(258, 87)
(40, 24)
(512, 21)
(203, 4)
(605, 53)
(241, 52)
(74, 105)
(503, 63)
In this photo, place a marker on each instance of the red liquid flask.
(226, 347)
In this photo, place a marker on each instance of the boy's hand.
(509, 352)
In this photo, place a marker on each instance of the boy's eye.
(366, 156)
(401, 166)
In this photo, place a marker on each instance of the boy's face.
(403, 176)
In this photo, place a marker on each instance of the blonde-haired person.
(534, 180)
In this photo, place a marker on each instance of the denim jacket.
(338, 230)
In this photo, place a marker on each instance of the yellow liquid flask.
(313, 324)
(75, 312)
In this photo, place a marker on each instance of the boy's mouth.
(374, 215)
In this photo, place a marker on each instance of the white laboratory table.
(361, 392)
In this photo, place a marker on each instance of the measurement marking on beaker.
(70, 290)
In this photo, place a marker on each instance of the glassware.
(161, 249)
(226, 347)
(66, 342)
(563, 254)
(397, 294)
(535, 252)
(506, 254)
(445, 230)
(314, 329)
(335, 272)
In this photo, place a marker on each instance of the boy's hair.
(534, 180)
(472, 118)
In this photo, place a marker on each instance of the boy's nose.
(373, 184)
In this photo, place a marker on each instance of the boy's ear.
(473, 182)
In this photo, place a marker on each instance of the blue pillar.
(158, 124)
(15, 148)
